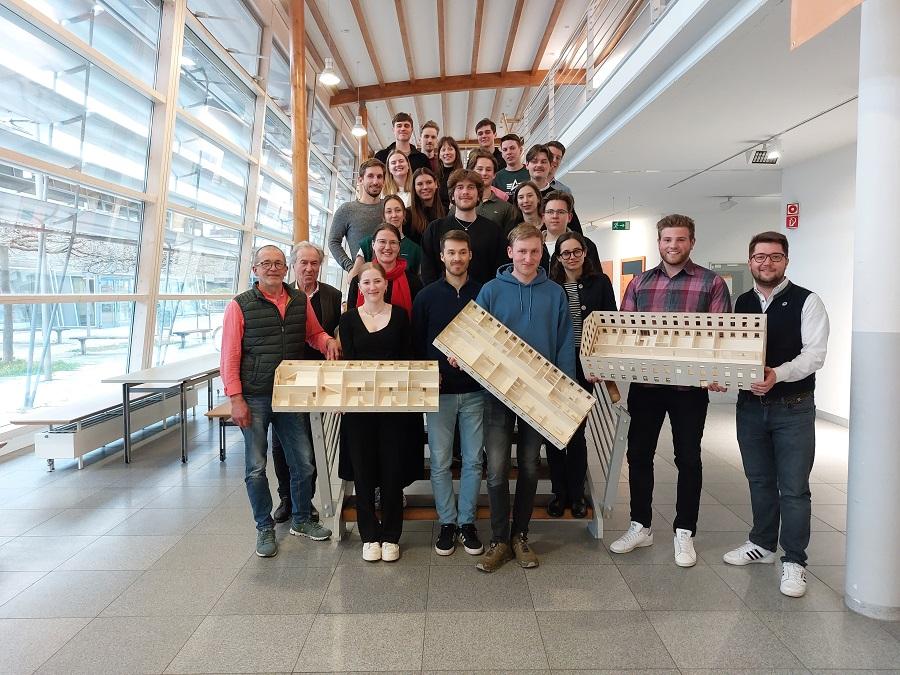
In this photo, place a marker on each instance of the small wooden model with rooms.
(526, 382)
(675, 348)
(356, 386)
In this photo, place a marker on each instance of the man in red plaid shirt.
(675, 285)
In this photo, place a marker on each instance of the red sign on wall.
(792, 222)
(793, 209)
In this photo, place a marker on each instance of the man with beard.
(358, 219)
(776, 419)
(488, 242)
(428, 135)
(675, 285)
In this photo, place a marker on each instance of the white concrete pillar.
(873, 501)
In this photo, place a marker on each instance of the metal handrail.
(583, 64)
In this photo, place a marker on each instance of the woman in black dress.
(588, 290)
(381, 445)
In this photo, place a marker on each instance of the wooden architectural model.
(356, 386)
(516, 373)
(674, 348)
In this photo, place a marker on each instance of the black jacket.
(417, 158)
(326, 303)
(549, 254)
(595, 293)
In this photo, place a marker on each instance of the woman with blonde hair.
(399, 177)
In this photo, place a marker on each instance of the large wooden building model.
(356, 386)
(504, 364)
(674, 348)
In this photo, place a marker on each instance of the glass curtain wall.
(82, 241)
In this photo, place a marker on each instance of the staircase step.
(421, 507)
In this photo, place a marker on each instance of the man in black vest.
(776, 418)
(262, 327)
(306, 261)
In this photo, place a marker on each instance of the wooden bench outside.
(183, 334)
(82, 339)
(222, 413)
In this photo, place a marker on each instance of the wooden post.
(364, 140)
(300, 153)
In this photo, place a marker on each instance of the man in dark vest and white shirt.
(776, 418)
(263, 326)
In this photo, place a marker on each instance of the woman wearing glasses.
(379, 444)
(402, 284)
(588, 290)
(395, 213)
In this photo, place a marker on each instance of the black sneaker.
(446, 541)
(468, 536)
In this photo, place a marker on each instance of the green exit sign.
(621, 224)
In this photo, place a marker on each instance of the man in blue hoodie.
(534, 308)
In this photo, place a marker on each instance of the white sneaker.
(685, 555)
(372, 551)
(390, 552)
(749, 553)
(637, 536)
(793, 579)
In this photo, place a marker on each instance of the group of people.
(425, 237)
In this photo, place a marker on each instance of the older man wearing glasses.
(263, 326)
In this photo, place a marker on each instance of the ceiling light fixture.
(774, 149)
(358, 129)
(328, 77)
(728, 204)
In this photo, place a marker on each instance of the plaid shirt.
(693, 289)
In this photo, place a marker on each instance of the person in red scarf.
(402, 285)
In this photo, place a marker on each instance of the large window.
(199, 256)
(212, 94)
(322, 132)
(126, 31)
(276, 208)
(277, 147)
(56, 106)
(234, 26)
(279, 83)
(57, 236)
(206, 176)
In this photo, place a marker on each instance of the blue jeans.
(469, 409)
(293, 432)
(778, 446)
(498, 429)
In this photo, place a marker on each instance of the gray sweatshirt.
(355, 221)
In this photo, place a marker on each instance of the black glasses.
(271, 265)
(573, 253)
(760, 258)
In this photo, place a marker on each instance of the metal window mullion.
(81, 48)
(162, 130)
(70, 298)
(58, 171)
(208, 131)
(202, 215)
(225, 56)
(253, 183)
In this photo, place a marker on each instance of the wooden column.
(300, 157)
(364, 140)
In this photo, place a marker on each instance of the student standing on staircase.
(523, 299)
(461, 399)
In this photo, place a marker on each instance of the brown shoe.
(524, 555)
(497, 555)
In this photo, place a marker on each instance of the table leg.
(209, 397)
(183, 423)
(126, 422)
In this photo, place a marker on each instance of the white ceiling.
(421, 19)
(748, 88)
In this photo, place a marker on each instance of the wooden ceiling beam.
(445, 116)
(329, 41)
(404, 38)
(470, 112)
(495, 109)
(436, 85)
(442, 47)
(476, 36)
(511, 40)
(548, 31)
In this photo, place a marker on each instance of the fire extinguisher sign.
(792, 216)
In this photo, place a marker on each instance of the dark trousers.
(282, 471)
(498, 431)
(377, 455)
(568, 467)
(687, 415)
(778, 446)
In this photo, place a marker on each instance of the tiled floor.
(150, 568)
